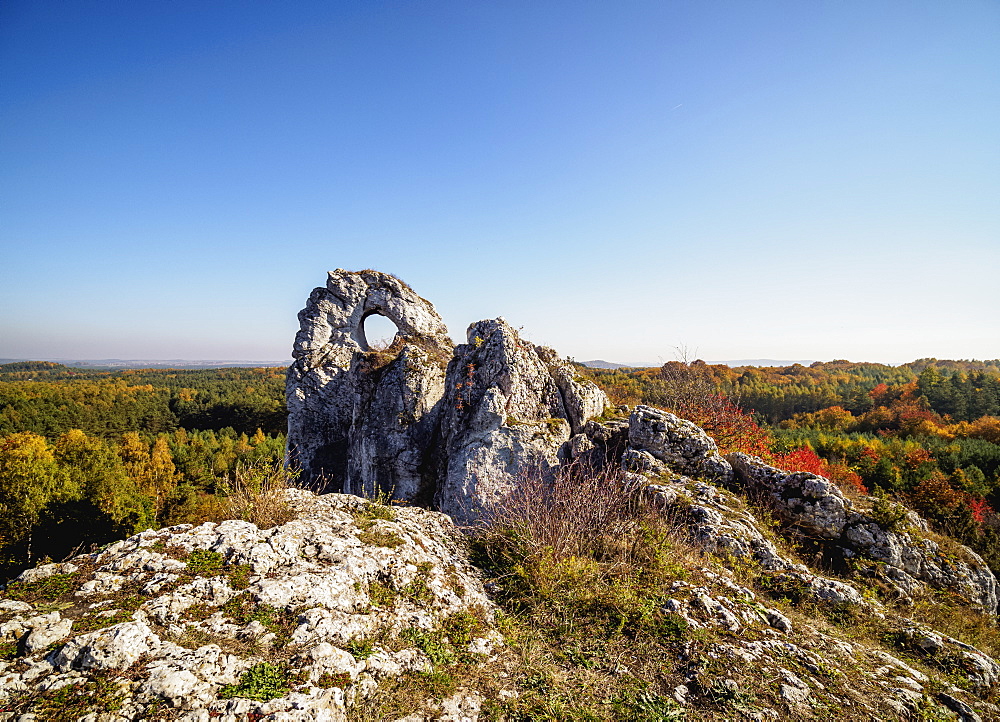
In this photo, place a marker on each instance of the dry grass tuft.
(582, 512)
(579, 513)
(582, 567)
(257, 494)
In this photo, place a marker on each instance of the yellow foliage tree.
(163, 474)
(31, 478)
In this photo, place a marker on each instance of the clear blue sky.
(804, 180)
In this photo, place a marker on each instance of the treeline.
(960, 390)
(87, 457)
(78, 490)
(50, 399)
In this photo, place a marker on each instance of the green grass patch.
(433, 643)
(381, 538)
(464, 626)
(91, 622)
(646, 706)
(370, 512)
(418, 592)
(49, 589)
(381, 595)
(262, 682)
(204, 562)
(8, 651)
(360, 648)
(242, 609)
(239, 576)
(198, 612)
(99, 693)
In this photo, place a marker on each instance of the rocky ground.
(355, 610)
(226, 621)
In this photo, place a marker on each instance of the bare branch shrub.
(582, 512)
(688, 389)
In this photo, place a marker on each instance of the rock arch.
(341, 396)
(331, 322)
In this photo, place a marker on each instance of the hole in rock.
(378, 332)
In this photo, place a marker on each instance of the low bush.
(582, 567)
(256, 494)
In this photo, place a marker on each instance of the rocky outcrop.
(682, 446)
(504, 413)
(511, 409)
(229, 621)
(718, 524)
(814, 506)
(354, 609)
(607, 440)
(363, 420)
(810, 502)
(420, 420)
(668, 450)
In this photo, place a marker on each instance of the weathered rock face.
(398, 423)
(506, 413)
(818, 508)
(678, 443)
(334, 603)
(510, 411)
(809, 501)
(363, 420)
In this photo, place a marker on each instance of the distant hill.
(599, 364)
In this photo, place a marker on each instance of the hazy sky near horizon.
(772, 179)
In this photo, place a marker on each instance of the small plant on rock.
(263, 681)
(371, 511)
(204, 562)
(888, 514)
(101, 692)
(360, 648)
(329, 679)
(256, 493)
(381, 595)
(380, 538)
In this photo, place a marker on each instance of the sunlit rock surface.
(336, 599)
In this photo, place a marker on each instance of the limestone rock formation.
(817, 507)
(420, 420)
(506, 419)
(809, 501)
(316, 618)
(505, 413)
(331, 614)
(183, 622)
(680, 444)
(363, 420)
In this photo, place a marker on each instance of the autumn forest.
(87, 456)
